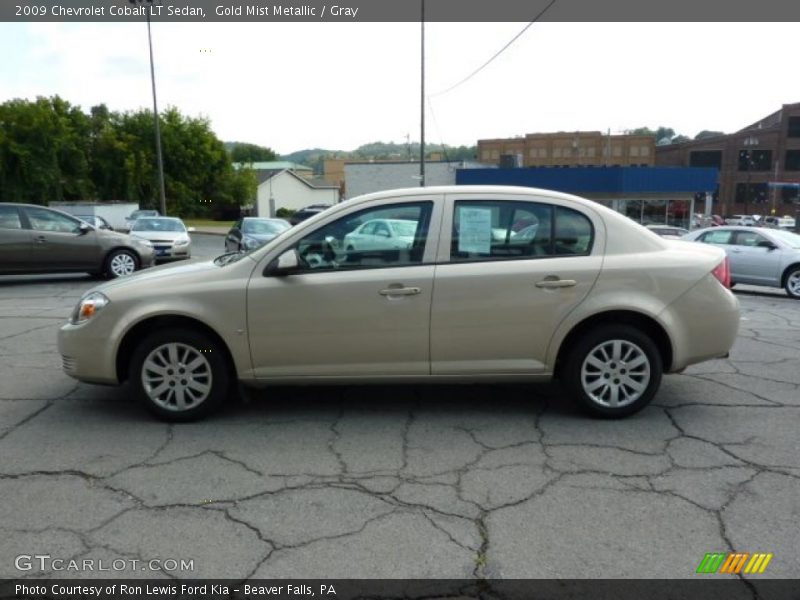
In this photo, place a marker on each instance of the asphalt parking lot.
(401, 482)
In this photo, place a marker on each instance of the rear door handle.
(40, 239)
(551, 284)
(400, 291)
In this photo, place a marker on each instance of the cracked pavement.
(454, 482)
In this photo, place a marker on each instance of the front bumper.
(87, 353)
(147, 256)
(164, 252)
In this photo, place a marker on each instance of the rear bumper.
(704, 324)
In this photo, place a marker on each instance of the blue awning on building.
(598, 180)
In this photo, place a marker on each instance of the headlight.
(250, 242)
(182, 242)
(88, 307)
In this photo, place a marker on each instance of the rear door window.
(716, 237)
(506, 229)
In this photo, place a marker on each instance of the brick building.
(750, 162)
(569, 149)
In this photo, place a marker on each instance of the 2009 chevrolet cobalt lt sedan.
(496, 284)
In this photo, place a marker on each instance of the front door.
(756, 261)
(60, 244)
(347, 312)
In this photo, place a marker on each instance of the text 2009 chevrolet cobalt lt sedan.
(497, 284)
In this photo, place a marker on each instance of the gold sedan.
(495, 284)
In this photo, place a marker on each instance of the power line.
(498, 53)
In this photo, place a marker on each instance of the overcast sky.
(337, 86)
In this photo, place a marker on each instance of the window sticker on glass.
(475, 231)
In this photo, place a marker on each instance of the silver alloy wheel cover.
(615, 373)
(122, 264)
(793, 283)
(176, 377)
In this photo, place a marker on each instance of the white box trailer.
(113, 212)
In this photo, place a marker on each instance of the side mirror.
(84, 228)
(285, 264)
(768, 245)
(191, 229)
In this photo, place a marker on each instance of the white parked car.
(785, 222)
(744, 220)
(380, 234)
(670, 232)
(169, 236)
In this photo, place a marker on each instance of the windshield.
(264, 226)
(787, 237)
(404, 228)
(172, 225)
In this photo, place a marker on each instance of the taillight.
(723, 272)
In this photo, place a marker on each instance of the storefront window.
(654, 212)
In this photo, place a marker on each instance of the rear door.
(509, 271)
(15, 241)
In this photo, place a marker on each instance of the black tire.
(189, 345)
(792, 282)
(632, 377)
(118, 263)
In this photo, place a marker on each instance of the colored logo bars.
(734, 562)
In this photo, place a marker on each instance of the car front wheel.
(792, 285)
(179, 374)
(613, 371)
(121, 263)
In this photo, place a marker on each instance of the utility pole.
(159, 155)
(422, 97)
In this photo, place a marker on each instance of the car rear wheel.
(121, 263)
(613, 371)
(179, 374)
(792, 285)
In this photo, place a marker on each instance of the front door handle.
(40, 239)
(400, 291)
(551, 284)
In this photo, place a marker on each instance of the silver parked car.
(138, 214)
(769, 257)
(249, 233)
(590, 298)
(168, 235)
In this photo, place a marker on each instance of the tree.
(250, 153)
(50, 150)
(660, 134)
(665, 132)
(708, 134)
(43, 151)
